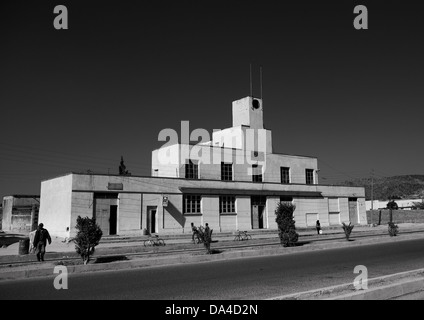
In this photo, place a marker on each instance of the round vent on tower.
(256, 104)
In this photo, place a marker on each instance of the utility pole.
(372, 189)
(372, 194)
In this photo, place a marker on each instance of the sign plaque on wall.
(115, 186)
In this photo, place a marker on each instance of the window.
(256, 173)
(191, 170)
(226, 171)
(227, 204)
(285, 175)
(309, 176)
(191, 203)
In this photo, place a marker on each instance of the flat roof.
(215, 180)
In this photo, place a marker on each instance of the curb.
(185, 258)
(403, 285)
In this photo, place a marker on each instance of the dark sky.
(78, 99)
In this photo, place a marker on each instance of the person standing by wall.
(318, 226)
(40, 241)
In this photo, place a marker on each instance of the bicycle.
(242, 235)
(154, 241)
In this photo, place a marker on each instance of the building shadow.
(176, 214)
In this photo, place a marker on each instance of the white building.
(233, 182)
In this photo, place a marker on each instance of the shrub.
(347, 228)
(393, 229)
(286, 224)
(87, 238)
(419, 205)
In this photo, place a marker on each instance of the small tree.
(205, 238)
(392, 205)
(393, 229)
(347, 230)
(87, 238)
(286, 224)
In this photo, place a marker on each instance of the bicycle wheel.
(237, 238)
(161, 242)
(248, 237)
(147, 243)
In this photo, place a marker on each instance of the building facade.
(232, 181)
(20, 213)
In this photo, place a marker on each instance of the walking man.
(40, 241)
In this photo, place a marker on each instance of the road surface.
(248, 278)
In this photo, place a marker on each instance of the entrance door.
(255, 217)
(258, 211)
(152, 220)
(261, 210)
(113, 219)
(353, 210)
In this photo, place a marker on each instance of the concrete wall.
(210, 159)
(297, 165)
(403, 203)
(129, 213)
(399, 216)
(141, 193)
(313, 206)
(174, 219)
(166, 161)
(55, 205)
(271, 206)
(244, 213)
(20, 213)
(82, 204)
(7, 213)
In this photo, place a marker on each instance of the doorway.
(258, 209)
(151, 219)
(113, 219)
(353, 210)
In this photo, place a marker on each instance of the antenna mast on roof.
(262, 97)
(251, 83)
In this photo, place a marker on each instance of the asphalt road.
(247, 279)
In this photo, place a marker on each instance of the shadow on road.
(110, 259)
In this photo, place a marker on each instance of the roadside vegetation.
(87, 238)
(347, 228)
(286, 224)
(204, 236)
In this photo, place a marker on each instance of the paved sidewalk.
(60, 246)
(130, 254)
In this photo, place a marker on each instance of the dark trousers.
(318, 229)
(41, 250)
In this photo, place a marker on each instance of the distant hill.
(401, 187)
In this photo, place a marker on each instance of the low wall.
(399, 216)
